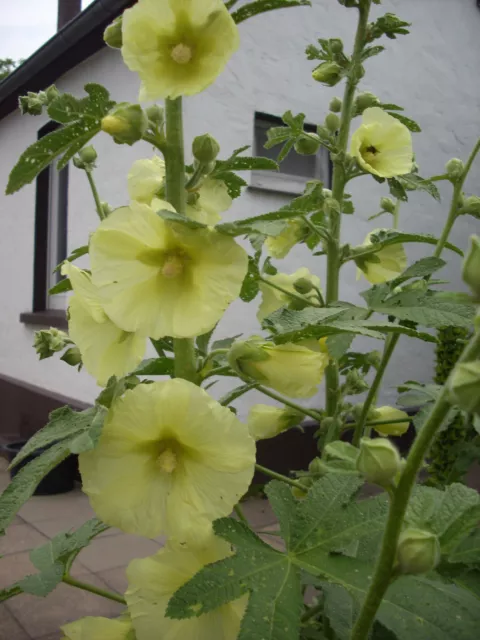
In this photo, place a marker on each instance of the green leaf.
(250, 286)
(342, 451)
(388, 237)
(75, 255)
(262, 6)
(421, 269)
(225, 343)
(413, 182)
(67, 432)
(415, 393)
(408, 122)
(177, 218)
(340, 609)
(233, 182)
(155, 367)
(203, 341)
(84, 122)
(246, 164)
(468, 551)
(369, 52)
(61, 287)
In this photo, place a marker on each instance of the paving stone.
(16, 566)
(69, 522)
(258, 512)
(116, 551)
(20, 537)
(9, 627)
(67, 505)
(115, 578)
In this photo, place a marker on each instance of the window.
(295, 170)
(51, 215)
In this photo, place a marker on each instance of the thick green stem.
(241, 516)
(278, 476)
(96, 197)
(92, 589)
(372, 393)
(399, 503)
(338, 189)
(271, 394)
(396, 216)
(294, 296)
(184, 348)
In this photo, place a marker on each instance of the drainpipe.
(67, 10)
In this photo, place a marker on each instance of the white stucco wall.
(433, 73)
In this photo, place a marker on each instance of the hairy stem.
(279, 476)
(338, 189)
(184, 348)
(294, 296)
(399, 503)
(288, 403)
(92, 589)
(96, 197)
(372, 393)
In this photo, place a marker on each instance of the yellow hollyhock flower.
(98, 629)
(390, 413)
(273, 299)
(106, 349)
(213, 199)
(384, 265)
(162, 278)
(153, 581)
(170, 460)
(382, 145)
(266, 422)
(289, 368)
(279, 246)
(177, 47)
(145, 179)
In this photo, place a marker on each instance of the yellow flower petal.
(396, 428)
(106, 349)
(213, 200)
(152, 581)
(160, 278)
(170, 460)
(279, 246)
(99, 629)
(273, 299)
(178, 47)
(388, 263)
(382, 145)
(145, 179)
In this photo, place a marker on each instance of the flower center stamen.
(167, 461)
(173, 266)
(181, 53)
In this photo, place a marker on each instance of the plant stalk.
(92, 589)
(383, 571)
(288, 403)
(96, 197)
(338, 189)
(279, 476)
(294, 296)
(184, 348)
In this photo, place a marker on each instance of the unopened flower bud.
(205, 148)
(244, 352)
(113, 34)
(335, 105)
(52, 93)
(464, 386)
(379, 461)
(332, 122)
(374, 359)
(106, 208)
(327, 193)
(33, 103)
(308, 145)
(364, 101)
(471, 205)
(387, 204)
(317, 467)
(72, 357)
(336, 45)
(418, 551)
(323, 133)
(387, 414)
(155, 114)
(354, 383)
(126, 124)
(86, 158)
(48, 342)
(303, 286)
(471, 266)
(455, 168)
(329, 73)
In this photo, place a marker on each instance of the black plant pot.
(59, 480)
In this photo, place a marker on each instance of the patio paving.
(103, 563)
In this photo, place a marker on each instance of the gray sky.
(26, 24)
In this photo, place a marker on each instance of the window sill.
(49, 318)
(278, 182)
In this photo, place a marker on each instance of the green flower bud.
(244, 352)
(205, 148)
(48, 342)
(354, 383)
(418, 551)
(52, 93)
(303, 286)
(327, 193)
(72, 357)
(329, 73)
(464, 386)
(307, 145)
(86, 158)
(126, 123)
(113, 34)
(332, 122)
(379, 461)
(387, 204)
(336, 45)
(455, 168)
(335, 105)
(374, 358)
(33, 103)
(364, 101)
(106, 209)
(471, 205)
(323, 133)
(155, 115)
(471, 266)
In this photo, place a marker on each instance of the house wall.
(433, 73)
